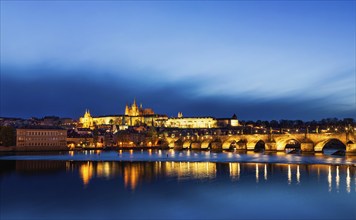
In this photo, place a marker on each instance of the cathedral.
(134, 110)
(136, 116)
(133, 116)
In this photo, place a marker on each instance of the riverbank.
(181, 156)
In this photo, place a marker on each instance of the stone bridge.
(307, 142)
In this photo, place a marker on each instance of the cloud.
(68, 93)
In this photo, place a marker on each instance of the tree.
(7, 136)
(152, 134)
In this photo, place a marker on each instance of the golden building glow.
(207, 122)
(86, 121)
(133, 116)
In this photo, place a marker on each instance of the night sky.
(260, 60)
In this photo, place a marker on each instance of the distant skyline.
(261, 59)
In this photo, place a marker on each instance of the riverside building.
(41, 138)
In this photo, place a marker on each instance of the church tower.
(86, 120)
(134, 109)
(127, 110)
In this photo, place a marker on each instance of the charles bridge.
(306, 142)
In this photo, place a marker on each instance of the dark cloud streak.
(68, 94)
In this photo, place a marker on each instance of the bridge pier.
(270, 146)
(178, 145)
(171, 145)
(307, 147)
(216, 145)
(195, 145)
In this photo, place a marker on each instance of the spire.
(127, 110)
(134, 106)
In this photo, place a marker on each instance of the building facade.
(191, 122)
(41, 137)
(200, 122)
(134, 116)
(134, 110)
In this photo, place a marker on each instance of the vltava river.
(94, 189)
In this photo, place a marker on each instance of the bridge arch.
(205, 145)
(332, 143)
(256, 145)
(289, 142)
(186, 144)
(260, 146)
(195, 145)
(162, 142)
(230, 144)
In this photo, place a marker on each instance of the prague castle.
(135, 111)
(136, 116)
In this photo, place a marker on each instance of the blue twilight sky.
(260, 60)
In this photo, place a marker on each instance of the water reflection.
(234, 171)
(132, 175)
(330, 179)
(298, 174)
(348, 181)
(337, 178)
(265, 173)
(86, 172)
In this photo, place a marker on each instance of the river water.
(161, 184)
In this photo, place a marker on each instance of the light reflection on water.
(189, 182)
(135, 172)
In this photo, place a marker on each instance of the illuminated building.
(137, 115)
(191, 122)
(228, 122)
(133, 116)
(87, 120)
(200, 122)
(135, 111)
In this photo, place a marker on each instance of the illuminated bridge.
(306, 142)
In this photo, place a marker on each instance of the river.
(160, 184)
